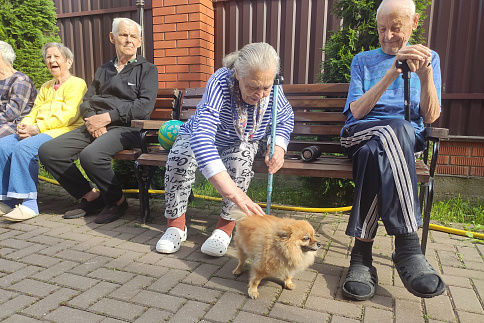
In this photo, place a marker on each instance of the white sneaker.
(217, 244)
(171, 240)
(4, 209)
(20, 213)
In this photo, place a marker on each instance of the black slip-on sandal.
(361, 274)
(413, 267)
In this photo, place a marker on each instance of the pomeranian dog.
(278, 247)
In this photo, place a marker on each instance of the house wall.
(183, 42)
(461, 157)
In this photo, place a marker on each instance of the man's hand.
(275, 163)
(98, 133)
(417, 57)
(24, 131)
(97, 122)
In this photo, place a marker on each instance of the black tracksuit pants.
(95, 155)
(385, 177)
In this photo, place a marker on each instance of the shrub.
(27, 26)
(357, 33)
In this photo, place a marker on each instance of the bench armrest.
(439, 133)
(433, 135)
(147, 124)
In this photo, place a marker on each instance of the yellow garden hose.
(456, 231)
(303, 209)
(280, 207)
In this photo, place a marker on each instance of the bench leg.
(429, 196)
(144, 179)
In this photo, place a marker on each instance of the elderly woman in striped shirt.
(222, 139)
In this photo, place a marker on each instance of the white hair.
(407, 6)
(65, 51)
(254, 56)
(7, 52)
(127, 21)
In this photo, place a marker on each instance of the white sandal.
(171, 241)
(20, 213)
(217, 244)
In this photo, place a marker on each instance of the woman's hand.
(227, 188)
(277, 161)
(24, 131)
(246, 204)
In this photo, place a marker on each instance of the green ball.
(168, 133)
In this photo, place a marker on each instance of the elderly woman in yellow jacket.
(55, 111)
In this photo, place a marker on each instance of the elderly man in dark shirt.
(123, 89)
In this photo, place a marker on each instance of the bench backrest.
(167, 107)
(317, 108)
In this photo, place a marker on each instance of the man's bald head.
(403, 6)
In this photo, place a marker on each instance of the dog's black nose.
(318, 244)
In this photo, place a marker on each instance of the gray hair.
(65, 51)
(127, 21)
(254, 56)
(7, 52)
(407, 6)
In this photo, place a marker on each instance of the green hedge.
(27, 26)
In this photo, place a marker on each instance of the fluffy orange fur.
(278, 247)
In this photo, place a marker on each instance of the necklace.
(240, 113)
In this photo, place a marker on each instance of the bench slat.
(325, 146)
(311, 130)
(324, 89)
(163, 103)
(128, 154)
(168, 93)
(300, 116)
(325, 166)
(315, 104)
(161, 114)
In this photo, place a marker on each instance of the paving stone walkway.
(56, 270)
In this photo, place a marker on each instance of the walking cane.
(406, 87)
(278, 80)
(429, 186)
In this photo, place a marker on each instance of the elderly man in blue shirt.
(382, 144)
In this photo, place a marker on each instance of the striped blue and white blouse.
(212, 126)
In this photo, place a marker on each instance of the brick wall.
(465, 158)
(183, 42)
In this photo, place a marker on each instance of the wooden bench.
(167, 107)
(318, 120)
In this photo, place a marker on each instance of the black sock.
(361, 254)
(408, 245)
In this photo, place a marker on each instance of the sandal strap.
(362, 274)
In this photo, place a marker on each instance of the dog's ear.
(284, 232)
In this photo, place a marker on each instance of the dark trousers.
(95, 154)
(385, 177)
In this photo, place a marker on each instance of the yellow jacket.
(57, 112)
